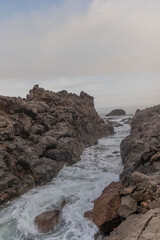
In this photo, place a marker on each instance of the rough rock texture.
(128, 206)
(141, 176)
(138, 227)
(105, 210)
(40, 134)
(141, 179)
(141, 149)
(116, 112)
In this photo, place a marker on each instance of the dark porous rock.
(116, 112)
(41, 134)
(147, 189)
(105, 210)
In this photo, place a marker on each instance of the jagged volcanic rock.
(40, 134)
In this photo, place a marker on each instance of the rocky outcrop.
(40, 134)
(116, 112)
(49, 221)
(140, 194)
(141, 149)
(138, 227)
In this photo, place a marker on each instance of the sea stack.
(116, 112)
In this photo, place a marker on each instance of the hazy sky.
(108, 48)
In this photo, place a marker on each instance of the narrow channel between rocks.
(79, 184)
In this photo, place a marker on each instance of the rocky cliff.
(40, 134)
(141, 149)
(139, 204)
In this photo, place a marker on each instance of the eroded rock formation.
(141, 149)
(40, 134)
(140, 195)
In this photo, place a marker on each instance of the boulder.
(127, 190)
(105, 210)
(128, 206)
(48, 221)
(116, 112)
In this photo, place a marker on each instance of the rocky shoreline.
(130, 208)
(42, 133)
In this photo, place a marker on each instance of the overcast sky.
(108, 48)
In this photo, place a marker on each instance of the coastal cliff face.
(40, 134)
(140, 191)
(141, 149)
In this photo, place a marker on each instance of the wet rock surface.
(105, 210)
(48, 221)
(42, 133)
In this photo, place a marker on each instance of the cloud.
(105, 37)
(109, 91)
(107, 48)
